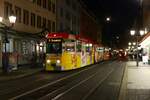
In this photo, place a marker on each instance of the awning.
(145, 41)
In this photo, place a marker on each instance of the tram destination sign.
(54, 40)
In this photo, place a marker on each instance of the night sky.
(122, 13)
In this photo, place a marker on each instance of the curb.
(123, 89)
(19, 76)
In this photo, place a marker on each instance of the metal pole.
(137, 53)
(5, 52)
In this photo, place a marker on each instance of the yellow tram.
(66, 52)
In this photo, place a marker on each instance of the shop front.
(145, 45)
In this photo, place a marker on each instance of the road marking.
(46, 85)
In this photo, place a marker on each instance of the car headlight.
(58, 61)
(48, 61)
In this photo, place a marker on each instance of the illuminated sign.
(54, 40)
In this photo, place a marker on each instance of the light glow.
(48, 61)
(58, 61)
(141, 32)
(1, 19)
(132, 32)
(108, 19)
(134, 43)
(12, 19)
(129, 43)
(90, 45)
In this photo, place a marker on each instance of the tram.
(66, 52)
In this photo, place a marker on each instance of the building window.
(68, 16)
(53, 27)
(49, 5)
(74, 6)
(44, 23)
(25, 17)
(49, 25)
(32, 1)
(7, 9)
(61, 27)
(32, 19)
(44, 3)
(68, 2)
(24, 48)
(18, 14)
(38, 21)
(39, 2)
(53, 8)
(61, 12)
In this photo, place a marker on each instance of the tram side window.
(79, 48)
(54, 48)
(70, 47)
(87, 49)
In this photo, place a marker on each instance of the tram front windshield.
(54, 48)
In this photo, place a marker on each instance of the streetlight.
(108, 19)
(134, 43)
(12, 20)
(141, 32)
(129, 43)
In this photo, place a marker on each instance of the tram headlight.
(58, 61)
(48, 61)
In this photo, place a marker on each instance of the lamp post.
(140, 33)
(108, 19)
(12, 20)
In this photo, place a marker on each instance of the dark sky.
(122, 13)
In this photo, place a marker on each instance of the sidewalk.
(19, 73)
(136, 82)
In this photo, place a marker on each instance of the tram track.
(54, 82)
(91, 90)
(60, 87)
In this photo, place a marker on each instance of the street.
(99, 81)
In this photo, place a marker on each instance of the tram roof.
(66, 35)
(61, 35)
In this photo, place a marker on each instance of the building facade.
(89, 26)
(32, 17)
(145, 42)
(146, 15)
(68, 16)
